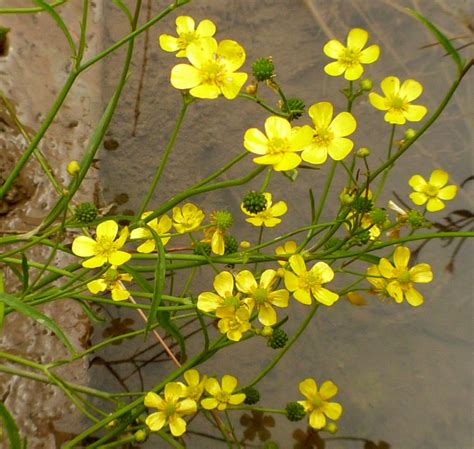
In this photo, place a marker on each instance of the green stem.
(30, 10)
(262, 103)
(266, 181)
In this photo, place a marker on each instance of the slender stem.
(31, 10)
(264, 105)
(266, 181)
(164, 159)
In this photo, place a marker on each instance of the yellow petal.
(224, 284)
(323, 271)
(184, 24)
(333, 49)
(335, 68)
(268, 159)
(237, 399)
(191, 376)
(315, 154)
(390, 86)
(94, 262)
(354, 72)
(448, 192)
(256, 221)
(217, 243)
(156, 421)
(439, 178)
(271, 222)
(255, 141)
(119, 257)
(177, 425)
(325, 296)
(107, 229)
(410, 90)
(277, 127)
(83, 246)
(139, 233)
(232, 84)
(96, 286)
(201, 52)
(414, 297)
(394, 290)
(187, 406)
(433, 205)
(206, 91)
(415, 113)
(267, 315)
(291, 281)
(321, 114)
(417, 182)
(418, 198)
(169, 43)
(245, 281)
(357, 38)
(301, 137)
(279, 208)
(153, 400)
(209, 403)
(289, 161)
(173, 391)
(147, 247)
(303, 296)
(386, 268)
(120, 294)
(267, 278)
(370, 54)
(229, 383)
(327, 390)
(395, 117)
(421, 273)
(317, 420)
(343, 124)
(401, 257)
(340, 148)
(279, 298)
(184, 76)
(378, 102)
(233, 54)
(332, 410)
(308, 388)
(206, 28)
(297, 264)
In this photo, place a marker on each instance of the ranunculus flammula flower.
(304, 283)
(225, 297)
(288, 248)
(187, 33)
(433, 191)
(111, 280)
(170, 409)
(269, 216)
(234, 321)
(397, 100)
(401, 278)
(160, 225)
(195, 384)
(379, 283)
(329, 137)
(260, 296)
(187, 218)
(212, 70)
(222, 396)
(316, 404)
(349, 59)
(105, 248)
(279, 145)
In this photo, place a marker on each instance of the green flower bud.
(85, 213)
(202, 249)
(223, 219)
(361, 238)
(294, 107)
(410, 133)
(378, 216)
(363, 152)
(252, 395)
(416, 219)
(73, 168)
(366, 85)
(331, 428)
(278, 339)
(262, 69)
(294, 411)
(331, 243)
(254, 202)
(230, 244)
(141, 436)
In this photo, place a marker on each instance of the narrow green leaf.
(25, 268)
(441, 38)
(311, 203)
(62, 26)
(41, 318)
(94, 317)
(10, 427)
(370, 258)
(138, 278)
(2, 305)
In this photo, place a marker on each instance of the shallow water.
(404, 374)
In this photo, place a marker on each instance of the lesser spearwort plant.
(246, 300)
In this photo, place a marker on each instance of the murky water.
(404, 374)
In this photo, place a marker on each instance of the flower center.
(323, 137)
(212, 72)
(349, 57)
(194, 392)
(431, 191)
(233, 301)
(104, 246)
(278, 145)
(398, 103)
(170, 409)
(260, 295)
(223, 397)
(185, 39)
(309, 280)
(404, 277)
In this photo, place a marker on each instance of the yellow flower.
(233, 321)
(225, 297)
(349, 59)
(433, 191)
(160, 226)
(287, 249)
(222, 396)
(195, 387)
(267, 217)
(261, 295)
(316, 404)
(187, 218)
(379, 283)
(279, 145)
(170, 409)
(401, 278)
(111, 280)
(187, 33)
(213, 69)
(329, 137)
(397, 101)
(105, 248)
(305, 283)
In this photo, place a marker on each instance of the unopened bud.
(410, 133)
(366, 85)
(363, 152)
(140, 436)
(331, 428)
(73, 168)
(245, 244)
(251, 89)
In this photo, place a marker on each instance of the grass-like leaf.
(441, 38)
(10, 426)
